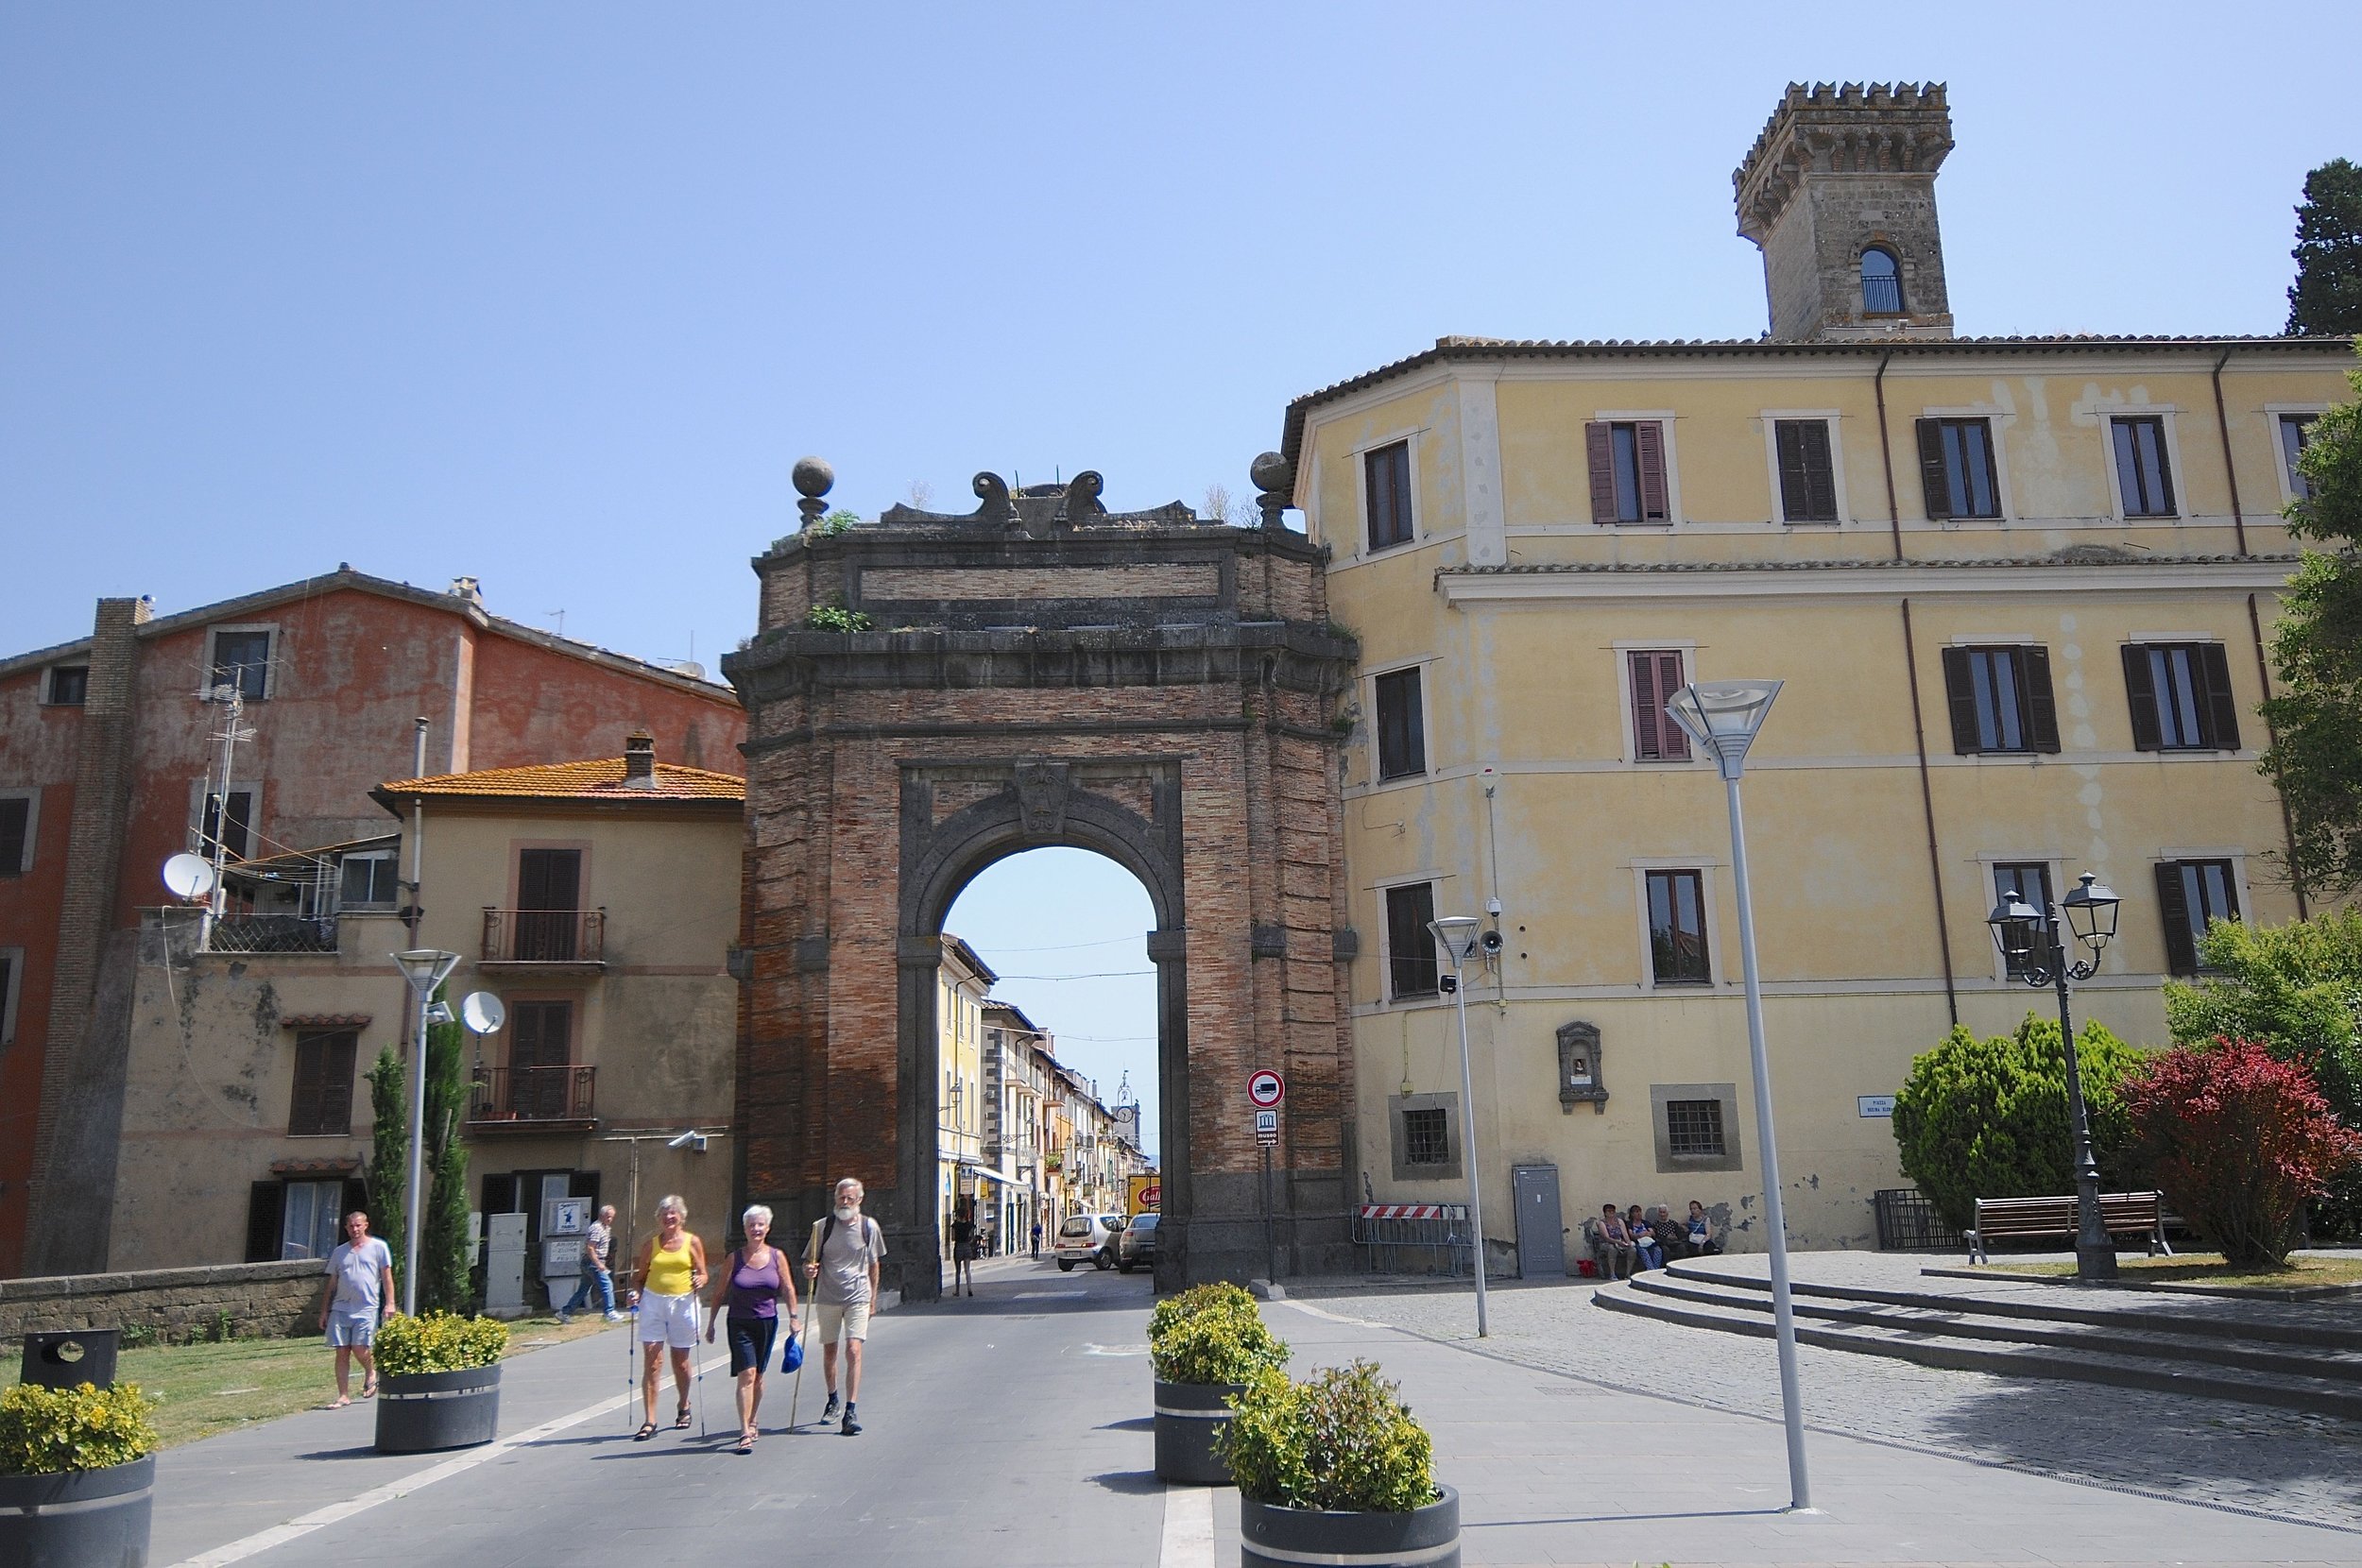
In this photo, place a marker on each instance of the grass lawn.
(203, 1389)
(2209, 1269)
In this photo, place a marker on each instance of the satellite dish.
(189, 876)
(483, 1013)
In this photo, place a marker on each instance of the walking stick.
(631, 1369)
(798, 1395)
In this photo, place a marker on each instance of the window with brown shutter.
(1411, 957)
(2000, 699)
(1386, 493)
(2189, 895)
(1656, 676)
(1401, 725)
(1629, 482)
(2181, 696)
(1808, 472)
(1957, 468)
(323, 1083)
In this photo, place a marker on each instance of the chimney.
(469, 590)
(639, 761)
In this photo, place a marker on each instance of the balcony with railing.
(271, 934)
(547, 940)
(534, 1099)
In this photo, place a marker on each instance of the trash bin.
(64, 1358)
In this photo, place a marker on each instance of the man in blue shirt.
(360, 1291)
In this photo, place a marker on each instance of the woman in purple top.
(751, 1286)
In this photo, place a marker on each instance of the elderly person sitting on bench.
(1611, 1244)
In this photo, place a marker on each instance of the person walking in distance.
(758, 1276)
(672, 1270)
(964, 1253)
(841, 1261)
(360, 1290)
(1037, 1241)
(598, 1253)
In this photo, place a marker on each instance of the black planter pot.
(1187, 1416)
(86, 1519)
(438, 1409)
(1424, 1537)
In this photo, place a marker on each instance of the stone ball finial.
(813, 477)
(1271, 471)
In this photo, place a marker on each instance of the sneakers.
(827, 1411)
(563, 1319)
(613, 1316)
(851, 1427)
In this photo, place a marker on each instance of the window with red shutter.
(1629, 482)
(1386, 492)
(1655, 675)
(322, 1103)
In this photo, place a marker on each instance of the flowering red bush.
(2237, 1141)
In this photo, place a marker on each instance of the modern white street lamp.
(425, 968)
(1457, 935)
(1723, 717)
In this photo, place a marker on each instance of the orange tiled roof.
(601, 779)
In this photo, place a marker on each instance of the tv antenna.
(231, 701)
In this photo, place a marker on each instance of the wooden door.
(549, 899)
(540, 1051)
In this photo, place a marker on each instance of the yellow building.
(2017, 588)
(961, 983)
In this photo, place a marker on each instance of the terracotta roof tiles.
(599, 779)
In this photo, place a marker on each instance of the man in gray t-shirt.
(360, 1290)
(841, 1262)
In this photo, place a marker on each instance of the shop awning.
(989, 1174)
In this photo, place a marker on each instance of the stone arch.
(1162, 689)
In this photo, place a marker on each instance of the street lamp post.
(2033, 948)
(425, 968)
(1456, 934)
(1724, 717)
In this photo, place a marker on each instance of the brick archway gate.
(1165, 691)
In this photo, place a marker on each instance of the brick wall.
(262, 1301)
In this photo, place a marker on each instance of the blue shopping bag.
(793, 1357)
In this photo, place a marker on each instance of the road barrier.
(1413, 1238)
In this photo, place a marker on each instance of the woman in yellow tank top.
(672, 1270)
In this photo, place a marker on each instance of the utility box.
(505, 1266)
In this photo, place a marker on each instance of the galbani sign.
(1142, 1194)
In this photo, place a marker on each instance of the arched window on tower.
(1881, 283)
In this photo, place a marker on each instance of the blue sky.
(553, 295)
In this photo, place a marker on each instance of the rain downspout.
(1886, 457)
(2231, 472)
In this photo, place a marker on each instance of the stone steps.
(2186, 1358)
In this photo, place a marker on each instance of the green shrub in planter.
(1196, 1299)
(438, 1343)
(1339, 1441)
(1221, 1345)
(59, 1431)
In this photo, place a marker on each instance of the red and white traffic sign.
(1264, 1088)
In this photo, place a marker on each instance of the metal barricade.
(1908, 1222)
(1413, 1238)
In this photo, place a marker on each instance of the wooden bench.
(2141, 1214)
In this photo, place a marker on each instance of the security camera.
(692, 1140)
(1491, 943)
(1493, 907)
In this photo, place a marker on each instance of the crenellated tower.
(1840, 194)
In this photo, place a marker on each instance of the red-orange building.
(104, 747)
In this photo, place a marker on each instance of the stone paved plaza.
(2275, 1463)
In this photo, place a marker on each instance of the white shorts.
(830, 1319)
(668, 1321)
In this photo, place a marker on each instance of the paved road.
(1011, 1429)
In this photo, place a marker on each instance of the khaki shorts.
(830, 1319)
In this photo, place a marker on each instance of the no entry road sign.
(1264, 1089)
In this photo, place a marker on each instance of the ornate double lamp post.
(2033, 944)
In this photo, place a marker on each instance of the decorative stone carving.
(813, 478)
(1275, 477)
(1579, 1075)
(1042, 787)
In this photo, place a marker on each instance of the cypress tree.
(2326, 299)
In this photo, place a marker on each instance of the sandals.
(746, 1441)
(680, 1422)
(647, 1430)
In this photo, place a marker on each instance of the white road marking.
(1050, 1295)
(1189, 1538)
(262, 1541)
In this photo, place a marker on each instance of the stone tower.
(1839, 193)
